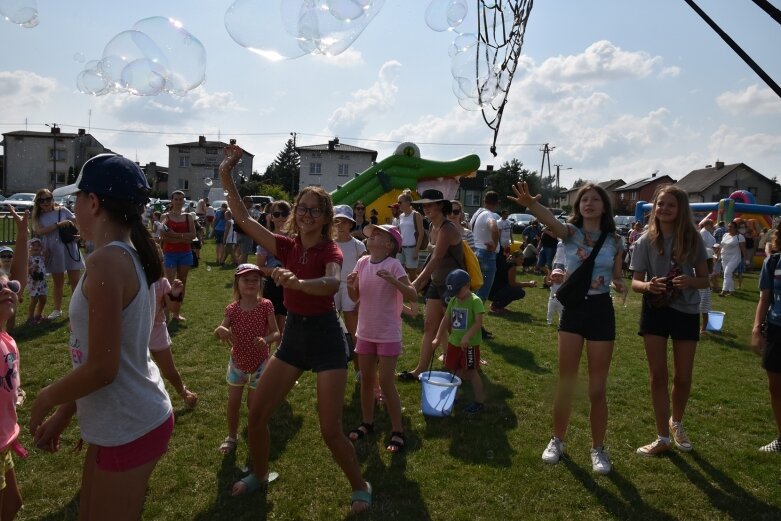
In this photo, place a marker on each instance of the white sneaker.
(678, 435)
(600, 463)
(554, 451)
(54, 315)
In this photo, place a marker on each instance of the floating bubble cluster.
(482, 63)
(156, 55)
(286, 29)
(20, 12)
(207, 182)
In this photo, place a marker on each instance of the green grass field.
(458, 468)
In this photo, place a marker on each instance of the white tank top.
(407, 229)
(136, 402)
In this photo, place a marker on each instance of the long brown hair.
(606, 222)
(687, 240)
(279, 206)
(37, 202)
(324, 202)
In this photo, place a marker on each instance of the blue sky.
(619, 88)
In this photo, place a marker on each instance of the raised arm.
(532, 203)
(249, 226)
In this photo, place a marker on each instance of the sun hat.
(247, 267)
(430, 196)
(454, 281)
(343, 211)
(111, 176)
(387, 228)
(4, 249)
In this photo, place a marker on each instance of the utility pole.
(55, 132)
(558, 183)
(546, 155)
(292, 174)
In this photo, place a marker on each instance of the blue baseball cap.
(110, 176)
(454, 281)
(343, 211)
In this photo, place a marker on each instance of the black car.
(624, 224)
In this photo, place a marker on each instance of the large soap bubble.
(443, 15)
(287, 29)
(157, 55)
(20, 12)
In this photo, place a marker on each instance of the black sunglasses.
(456, 211)
(44, 199)
(6, 255)
(360, 207)
(280, 214)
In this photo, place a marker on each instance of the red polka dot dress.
(246, 327)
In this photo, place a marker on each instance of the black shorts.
(435, 291)
(595, 320)
(669, 323)
(314, 343)
(771, 358)
(276, 295)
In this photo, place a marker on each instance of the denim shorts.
(314, 342)
(176, 259)
(595, 320)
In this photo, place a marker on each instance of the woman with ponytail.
(124, 412)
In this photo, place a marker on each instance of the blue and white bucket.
(715, 320)
(438, 392)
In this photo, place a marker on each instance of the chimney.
(82, 132)
(653, 175)
(489, 168)
(331, 144)
(719, 164)
(201, 141)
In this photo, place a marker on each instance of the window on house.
(183, 184)
(314, 168)
(58, 154)
(343, 169)
(215, 173)
(211, 151)
(621, 196)
(472, 198)
(344, 156)
(57, 178)
(184, 161)
(724, 191)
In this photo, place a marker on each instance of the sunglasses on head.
(44, 199)
(13, 285)
(6, 255)
(280, 214)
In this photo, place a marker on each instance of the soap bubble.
(291, 28)
(225, 193)
(157, 55)
(442, 15)
(207, 182)
(23, 13)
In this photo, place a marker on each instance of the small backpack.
(472, 266)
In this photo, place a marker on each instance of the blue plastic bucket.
(715, 320)
(438, 392)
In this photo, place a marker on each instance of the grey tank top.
(136, 402)
(453, 259)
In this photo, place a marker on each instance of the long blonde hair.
(37, 202)
(687, 240)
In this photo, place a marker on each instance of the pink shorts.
(364, 347)
(148, 447)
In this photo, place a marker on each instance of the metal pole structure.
(292, 174)
(55, 130)
(558, 184)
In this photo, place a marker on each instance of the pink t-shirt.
(379, 315)
(9, 383)
(246, 326)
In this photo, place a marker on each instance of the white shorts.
(342, 300)
(409, 257)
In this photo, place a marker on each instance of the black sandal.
(364, 429)
(407, 376)
(396, 445)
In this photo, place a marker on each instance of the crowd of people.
(329, 284)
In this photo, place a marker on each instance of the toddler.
(36, 281)
(555, 280)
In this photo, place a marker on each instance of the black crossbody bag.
(574, 291)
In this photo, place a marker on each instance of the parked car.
(624, 223)
(21, 201)
(66, 201)
(262, 200)
(520, 221)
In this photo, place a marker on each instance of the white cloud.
(754, 99)
(732, 145)
(352, 117)
(25, 89)
(347, 59)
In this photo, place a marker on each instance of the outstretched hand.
(523, 196)
(233, 154)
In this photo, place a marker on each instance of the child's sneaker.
(554, 451)
(474, 408)
(773, 446)
(678, 435)
(658, 446)
(600, 463)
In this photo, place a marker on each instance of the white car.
(21, 201)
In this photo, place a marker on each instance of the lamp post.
(558, 183)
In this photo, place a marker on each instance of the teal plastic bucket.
(438, 392)
(715, 320)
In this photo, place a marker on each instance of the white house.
(332, 165)
(35, 160)
(192, 167)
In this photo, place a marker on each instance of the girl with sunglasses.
(456, 216)
(61, 258)
(313, 338)
(278, 217)
(359, 216)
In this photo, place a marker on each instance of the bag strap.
(772, 263)
(593, 254)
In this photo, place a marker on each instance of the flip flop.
(252, 483)
(363, 496)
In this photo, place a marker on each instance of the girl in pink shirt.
(381, 284)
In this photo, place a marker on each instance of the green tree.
(502, 180)
(284, 169)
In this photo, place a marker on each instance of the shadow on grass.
(729, 340)
(722, 491)
(22, 332)
(254, 506)
(69, 511)
(518, 356)
(629, 505)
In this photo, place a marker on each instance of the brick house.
(626, 197)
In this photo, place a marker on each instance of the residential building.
(471, 190)
(567, 197)
(193, 167)
(157, 177)
(716, 182)
(35, 160)
(332, 165)
(626, 197)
